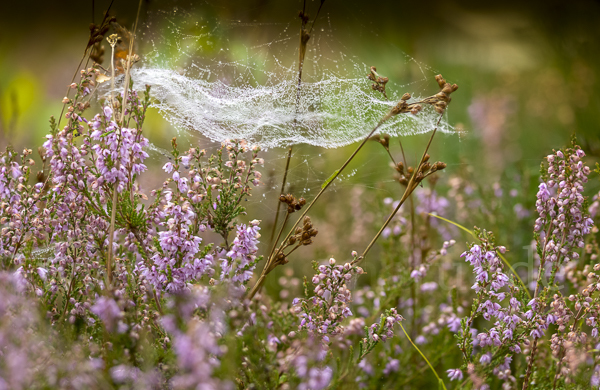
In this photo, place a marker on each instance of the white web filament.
(248, 89)
(330, 113)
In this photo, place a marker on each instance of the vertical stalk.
(304, 38)
(113, 212)
(111, 231)
(535, 295)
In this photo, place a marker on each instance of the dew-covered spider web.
(215, 78)
(228, 79)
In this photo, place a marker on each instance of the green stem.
(440, 381)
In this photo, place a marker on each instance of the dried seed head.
(440, 80)
(415, 110)
(42, 153)
(406, 97)
(307, 242)
(385, 141)
(400, 167)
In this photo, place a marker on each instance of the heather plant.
(105, 283)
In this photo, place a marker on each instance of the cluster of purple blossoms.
(33, 353)
(430, 202)
(20, 215)
(398, 222)
(306, 358)
(487, 267)
(119, 152)
(56, 235)
(197, 353)
(562, 223)
(330, 304)
(490, 279)
(239, 262)
(109, 312)
(384, 329)
(316, 378)
(448, 318)
(455, 374)
(178, 262)
(561, 229)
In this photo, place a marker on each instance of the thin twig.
(410, 187)
(85, 53)
(118, 132)
(271, 260)
(304, 38)
(440, 381)
(287, 166)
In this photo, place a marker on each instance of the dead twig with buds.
(440, 102)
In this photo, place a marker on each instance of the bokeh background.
(527, 72)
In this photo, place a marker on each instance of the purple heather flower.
(178, 264)
(393, 365)
(240, 261)
(318, 379)
(332, 296)
(454, 324)
(455, 374)
(486, 358)
(108, 311)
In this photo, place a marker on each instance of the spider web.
(250, 90)
(224, 79)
